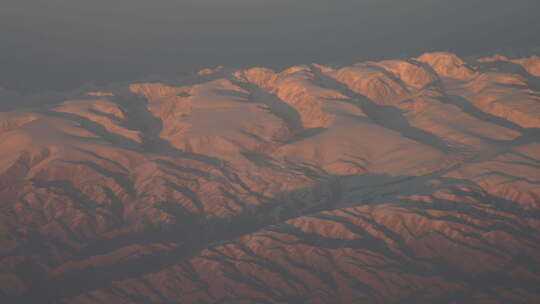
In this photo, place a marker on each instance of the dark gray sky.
(62, 44)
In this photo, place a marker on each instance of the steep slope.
(401, 181)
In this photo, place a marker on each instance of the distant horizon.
(189, 71)
(60, 45)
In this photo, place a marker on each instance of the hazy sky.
(59, 44)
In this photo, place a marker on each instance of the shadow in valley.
(386, 116)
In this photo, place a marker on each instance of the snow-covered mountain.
(400, 181)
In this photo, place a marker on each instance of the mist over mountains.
(62, 45)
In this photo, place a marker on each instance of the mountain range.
(413, 180)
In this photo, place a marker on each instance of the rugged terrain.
(400, 181)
